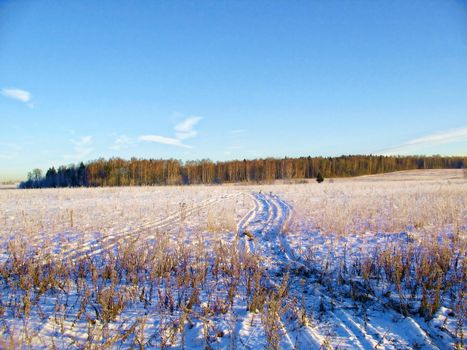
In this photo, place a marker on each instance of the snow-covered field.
(362, 263)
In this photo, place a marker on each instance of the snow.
(291, 238)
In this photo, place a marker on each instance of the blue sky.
(81, 80)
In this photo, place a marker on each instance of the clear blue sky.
(81, 80)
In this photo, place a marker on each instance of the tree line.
(65, 176)
(143, 172)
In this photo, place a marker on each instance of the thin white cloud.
(18, 94)
(164, 140)
(454, 135)
(122, 142)
(185, 129)
(82, 148)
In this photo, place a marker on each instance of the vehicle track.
(145, 232)
(265, 222)
(350, 330)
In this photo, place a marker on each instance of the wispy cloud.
(121, 142)
(183, 131)
(448, 136)
(82, 148)
(18, 94)
(164, 140)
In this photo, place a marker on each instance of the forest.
(145, 172)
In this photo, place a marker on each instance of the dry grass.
(91, 296)
(146, 289)
(434, 201)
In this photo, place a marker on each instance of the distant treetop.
(140, 172)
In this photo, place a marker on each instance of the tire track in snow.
(365, 334)
(243, 241)
(108, 242)
(265, 222)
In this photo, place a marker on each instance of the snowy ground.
(301, 266)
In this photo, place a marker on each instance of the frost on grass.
(370, 262)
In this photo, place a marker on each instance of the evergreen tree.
(319, 178)
(121, 172)
(51, 178)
